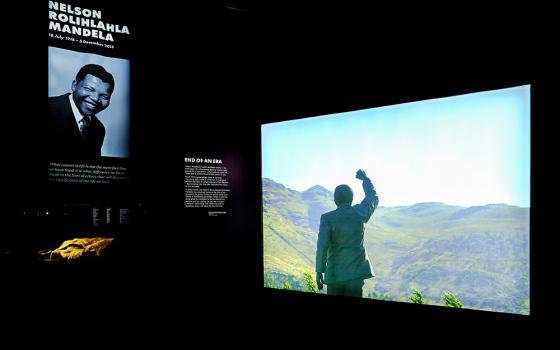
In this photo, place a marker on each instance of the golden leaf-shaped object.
(78, 247)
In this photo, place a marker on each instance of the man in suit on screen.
(74, 131)
(342, 261)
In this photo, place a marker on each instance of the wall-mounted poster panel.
(74, 190)
(87, 125)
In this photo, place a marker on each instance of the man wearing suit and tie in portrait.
(75, 132)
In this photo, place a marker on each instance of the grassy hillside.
(481, 254)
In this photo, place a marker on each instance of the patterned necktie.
(84, 123)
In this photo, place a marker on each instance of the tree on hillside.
(287, 286)
(416, 297)
(310, 284)
(450, 300)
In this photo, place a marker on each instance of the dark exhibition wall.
(202, 82)
(321, 68)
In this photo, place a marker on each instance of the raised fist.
(361, 175)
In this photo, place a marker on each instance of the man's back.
(341, 254)
(347, 257)
(347, 226)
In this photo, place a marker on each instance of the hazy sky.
(464, 150)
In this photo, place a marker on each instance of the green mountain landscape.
(480, 253)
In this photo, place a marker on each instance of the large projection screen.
(452, 226)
